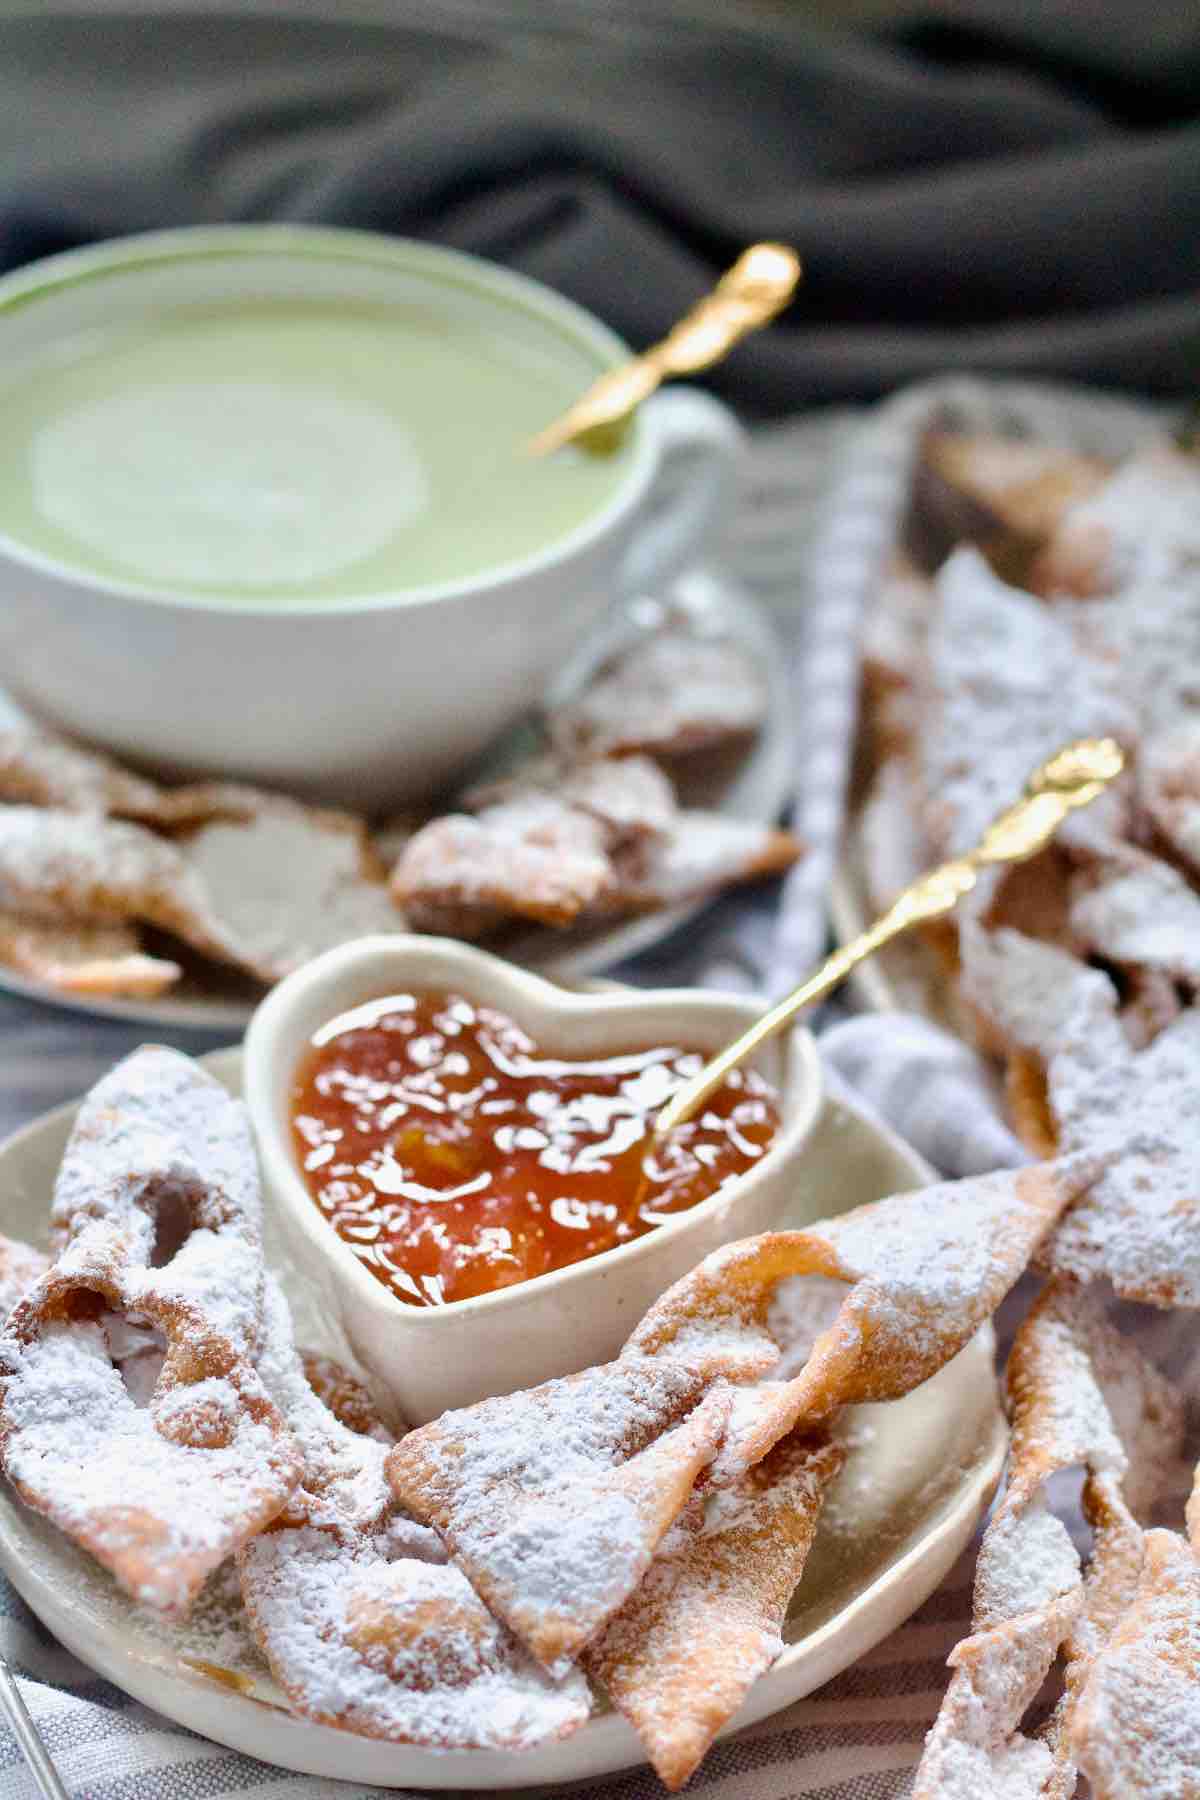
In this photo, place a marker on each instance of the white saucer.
(903, 1509)
(754, 786)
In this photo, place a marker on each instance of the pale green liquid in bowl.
(293, 450)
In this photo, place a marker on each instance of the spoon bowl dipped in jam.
(458, 1149)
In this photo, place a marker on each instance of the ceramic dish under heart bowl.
(917, 1476)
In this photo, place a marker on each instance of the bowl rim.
(187, 244)
(267, 1038)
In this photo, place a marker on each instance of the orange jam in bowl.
(455, 1156)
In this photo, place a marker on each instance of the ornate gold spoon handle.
(1072, 778)
(759, 285)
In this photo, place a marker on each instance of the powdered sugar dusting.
(675, 692)
(363, 1622)
(1079, 1395)
(1137, 1727)
(1142, 528)
(157, 1217)
(1137, 911)
(1006, 688)
(554, 1499)
(707, 1620)
(20, 1266)
(1169, 787)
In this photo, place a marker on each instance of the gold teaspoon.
(759, 285)
(1072, 778)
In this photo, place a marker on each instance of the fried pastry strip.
(20, 1266)
(1006, 687)
(1139, 913)
(364, 1623)
(629, 797)
(96, 960)
(981, 485)
(701, 854)
(1079, 1394)
(668, 695)
(923, 1273)
(685, 1649)
(1139, 1110)
(39, 768)
(533, 858)
(263, 894)
(1138, 530)
(554, 1500)
(1169, 789)
(590, 1471)
(131, 1413)
(1136, 1727)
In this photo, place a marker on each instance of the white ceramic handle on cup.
(701, 453)
(700, 450)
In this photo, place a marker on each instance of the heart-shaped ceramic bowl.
(427, 1360)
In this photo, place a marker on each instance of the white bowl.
(378, 698)
(427, 1360)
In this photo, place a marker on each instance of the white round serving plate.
(754, 786)
(917, 1477)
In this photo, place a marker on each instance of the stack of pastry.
(1042, 596)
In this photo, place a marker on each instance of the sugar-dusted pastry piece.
(262, 894)
(555, 1499)
(531, 858)
(1139, 1110)
(1147, 642)
(77, 958)
(1027, 990)
(1138, 912)
(668, 695)
(629, 796)
(1169, 788)
(983, 486)
(1140, 529)
(39, 768)
(59, 866)
(707, 1619)
(1139, 1227)
(1136, 1728)
(1150, 1002)
(893, 848)
(365, 1624)
(922, 1271)
(1005, 687)
(894, 627)
(20, 1266)
(1079, 1395)
(131, 1411)
(288, 883)
(342, 1394)
(703, 853)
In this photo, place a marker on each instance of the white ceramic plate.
(754, 786)
(903, 1509)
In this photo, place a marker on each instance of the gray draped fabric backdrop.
(1007, 187)
(1018, 189)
